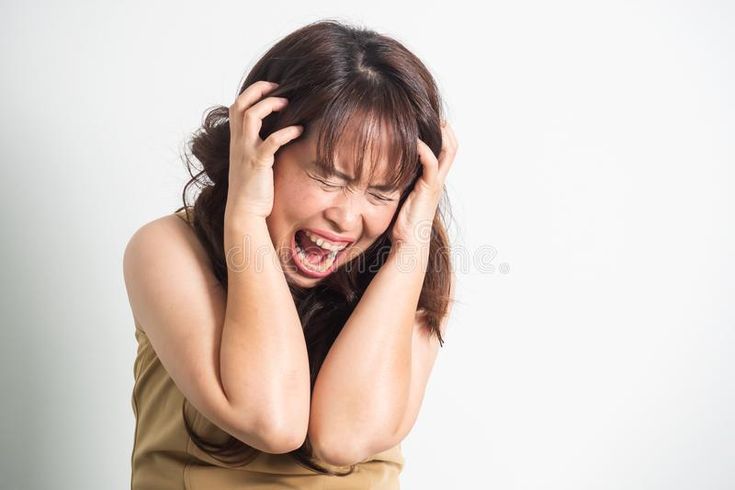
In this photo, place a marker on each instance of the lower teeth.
(326, 263)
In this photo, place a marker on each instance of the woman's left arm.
(370, 386)
(361, 392)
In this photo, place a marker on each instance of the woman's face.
(309, 205)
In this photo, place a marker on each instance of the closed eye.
(324, 183)
(330, 186)
(383, 198)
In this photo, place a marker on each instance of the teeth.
(323, 243)
(328, 261)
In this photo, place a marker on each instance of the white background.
(596, 163)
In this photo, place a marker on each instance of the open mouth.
(315, 259)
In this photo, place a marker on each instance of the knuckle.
(270, 143)
(260, 86)
(271, 147)
(255, 86)
(276, 139)
(240, 105)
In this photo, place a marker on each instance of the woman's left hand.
(416, 216)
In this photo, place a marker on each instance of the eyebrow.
(350, 179)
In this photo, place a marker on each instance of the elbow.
(283, 443)
(271, 430)
(282, 438)
(336, 453)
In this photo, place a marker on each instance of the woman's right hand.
(251, 159)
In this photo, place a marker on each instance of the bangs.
(374, 120)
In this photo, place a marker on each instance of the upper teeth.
(323, 243)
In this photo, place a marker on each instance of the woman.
(316, 246)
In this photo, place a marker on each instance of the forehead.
(374, 157)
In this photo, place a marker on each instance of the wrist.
(237, 212)
(247, 242)
(410, 254)
(241, 207)
(409, 245)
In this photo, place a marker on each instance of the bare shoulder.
(178, 303)
(173, 226)
(165, 257)
(169, 233)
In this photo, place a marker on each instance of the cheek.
(295, 199)
(380, 219)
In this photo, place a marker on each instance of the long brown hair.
(345, 78)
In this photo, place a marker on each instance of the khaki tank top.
(165, 458)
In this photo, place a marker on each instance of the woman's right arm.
(263, 357)
(238, 356)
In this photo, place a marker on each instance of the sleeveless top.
(165, 458)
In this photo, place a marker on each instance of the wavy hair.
(348, 79)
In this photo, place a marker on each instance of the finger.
(448, 152)
(248, 97)
(452, 137)
(429, 162)
(269, 147)
(253, 118)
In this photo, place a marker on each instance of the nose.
(345, 212)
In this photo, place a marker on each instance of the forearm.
(361, 392)
(263, 358)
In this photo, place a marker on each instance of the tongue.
(311, 249)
